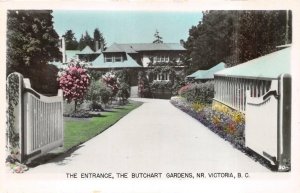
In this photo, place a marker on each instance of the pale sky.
(127, 26)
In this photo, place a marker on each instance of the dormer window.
(108, 58)
(116, 57)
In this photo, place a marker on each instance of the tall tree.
(81, 43)
(70, 40)
(31, 43)
(158, 38)
(85, 40)
(235, 37)
(98, 38)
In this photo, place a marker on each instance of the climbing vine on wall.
(12, 96)
(176, 76)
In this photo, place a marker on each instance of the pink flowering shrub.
(110, 79)
(74, 81)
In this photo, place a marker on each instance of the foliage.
(105, 92)
(143, 85)
(161, 85)
(85, 40)
(70, 40)
(235, 37)
(93, 93)
(95, 75)
(158, 38)
(13, 146)
(98, 37)
(110, 79)
(31, 43)
(79, 114)
(176, 77)
(227, 123)
(124, 92)
(198, 92)
(12, 97)
(123, 76)
(74, 81)
(13, 163)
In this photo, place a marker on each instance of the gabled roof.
(134, 48)
(86, 50)
(269, 66)
(129, 63)
(209, 74)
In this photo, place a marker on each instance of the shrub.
(105, 93)
(110, 79)
(74, 81)
(123, 76)
(124, 92)
(143, 85)
(161, 85)
(94, 92)
(198, 92)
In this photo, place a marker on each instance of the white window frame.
(118, 58)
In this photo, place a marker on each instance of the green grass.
(79, 131)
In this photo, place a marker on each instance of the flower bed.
(227, 123)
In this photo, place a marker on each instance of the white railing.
(43, 122)
(232, 91)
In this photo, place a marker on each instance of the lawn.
(78, 131)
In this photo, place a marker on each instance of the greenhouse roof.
(269, 66)
(195, 74)
(129, 63)
(209, 74)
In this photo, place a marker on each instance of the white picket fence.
(39, 121)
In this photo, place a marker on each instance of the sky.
(127, 26)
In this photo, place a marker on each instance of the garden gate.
(35, 121)
(268, 123)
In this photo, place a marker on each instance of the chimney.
(96, 46)
(63, 49)
(102, 46)
(182, 42)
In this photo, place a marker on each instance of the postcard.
(151, 96)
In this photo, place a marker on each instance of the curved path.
(156, 137)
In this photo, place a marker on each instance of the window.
(163, 77)
(118, 58)
(113, 58)
(161, 58)
(108, 59)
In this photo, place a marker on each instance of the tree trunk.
(75, 106)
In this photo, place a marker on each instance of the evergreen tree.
(98, 37)
(70, 40)
(31, 43)
(85, 40)
(158, 38)
(235, 37)
(81, 43)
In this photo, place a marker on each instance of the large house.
(135, 56)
